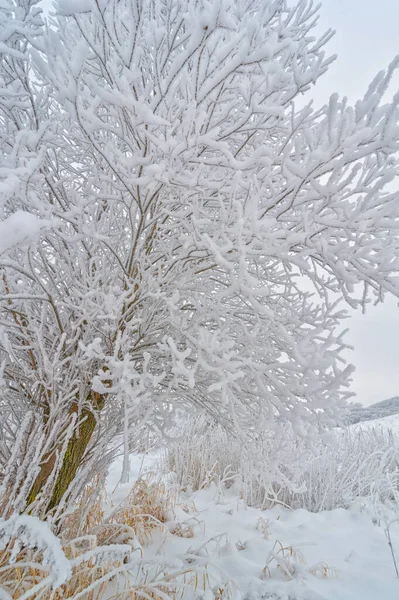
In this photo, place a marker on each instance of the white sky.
(366, 40)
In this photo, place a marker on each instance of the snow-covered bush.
(330, 472)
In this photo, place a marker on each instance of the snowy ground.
(237, 544)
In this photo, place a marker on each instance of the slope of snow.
(235, 543)
(385, 408)
(391, 422)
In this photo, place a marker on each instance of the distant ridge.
(385, 408)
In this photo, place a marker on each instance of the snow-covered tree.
(177, 226)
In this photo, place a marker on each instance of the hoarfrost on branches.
(19, 226)
(198, 223)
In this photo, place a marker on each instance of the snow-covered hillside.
(385, 408)
(391, 423)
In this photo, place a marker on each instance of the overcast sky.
(366, 40)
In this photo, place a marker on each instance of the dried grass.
(188, 528)
(19, 575)
(89, 511)
(87, 541)
(323, 570)
(282, 561)
(146, 509)
(285, 562)
(263, 525)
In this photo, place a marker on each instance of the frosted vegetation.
(281, 469)
(181, 230)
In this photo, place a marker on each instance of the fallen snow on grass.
(278, 554)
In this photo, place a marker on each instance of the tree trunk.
(75, 451)
(46, 469)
